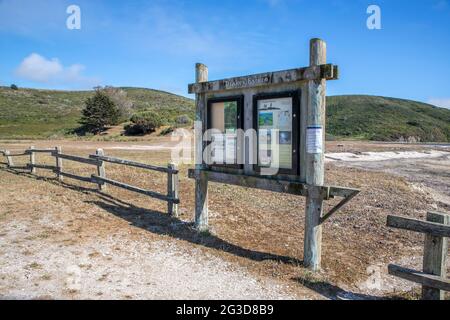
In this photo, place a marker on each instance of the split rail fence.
(433, 276)
(98, 160)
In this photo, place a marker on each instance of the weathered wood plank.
(97, 179)
(435, 229)
(133, 164)
(76, 159)
(18, 154)
(19, 167)
(41, 151)
(43, 166)
(75, 177)
(282, 186)
(419, 277)
(435, 256)
(314, 72)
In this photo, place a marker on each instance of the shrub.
(98, 113)
(183, 120)
(143, 123)
(14, 87)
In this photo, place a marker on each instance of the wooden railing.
(433, 277)
(100, 178)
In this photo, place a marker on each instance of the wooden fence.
(433, 277)
(98, 160)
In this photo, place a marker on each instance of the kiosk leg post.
(316, 95)
(201, 184)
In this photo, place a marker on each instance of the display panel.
(224, 116)
(276, 122)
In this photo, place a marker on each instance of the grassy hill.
(386, 119)
(30, 113)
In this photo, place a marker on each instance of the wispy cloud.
(440, 102)
(39, 69)
(30, 17)
(216, 39)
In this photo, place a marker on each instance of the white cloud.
(40, 69)
(37, 68)
(440, 102)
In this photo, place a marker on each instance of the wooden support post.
(32, 160)
(9, 159)
(201, 184)
(172, 190)
(315, 144)
(101, 170)
(435, 257)
(59, 163)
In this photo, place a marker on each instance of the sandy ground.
(69, 241)
(428, 170)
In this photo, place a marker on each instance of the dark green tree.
(14, 87)
(99, 112)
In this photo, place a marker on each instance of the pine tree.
(99, 112)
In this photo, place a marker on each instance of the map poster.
(275, 117)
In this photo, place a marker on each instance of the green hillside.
(386, 119)
(30, 113)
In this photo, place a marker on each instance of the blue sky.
(155, 44)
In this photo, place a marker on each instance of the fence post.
(59, 164)
(101, 169)
(172, 190)
(32, 160)
(9, 159)
(435, 256)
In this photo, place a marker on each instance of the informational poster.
(275, 132)
(314, 140)
(224, 121)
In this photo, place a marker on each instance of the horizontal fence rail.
(435, 229)
(128, 187)
(100, 179)
(133, 164)
(419, 277)
(76, 159)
